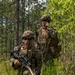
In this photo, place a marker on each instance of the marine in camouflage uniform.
(47, 39)
(27, 49)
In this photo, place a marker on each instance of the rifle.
(22, 59)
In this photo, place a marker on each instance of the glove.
(16, 62)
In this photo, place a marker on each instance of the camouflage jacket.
(48, 41)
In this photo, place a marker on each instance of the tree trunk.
(23, 15)
(17, 22)
(6, 36)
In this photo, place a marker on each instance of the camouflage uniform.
(30, 53)
(48, 42)
(47, 38)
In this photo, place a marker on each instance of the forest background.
(16, 16)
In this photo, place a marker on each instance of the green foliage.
(62, 14)
(5, 69)
(48, 68)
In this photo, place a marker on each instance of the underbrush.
(61, 68)
(6, 69)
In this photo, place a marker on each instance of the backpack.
(54, 42)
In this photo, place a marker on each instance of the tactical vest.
(26, 52)
(43, 36)
(30, 55)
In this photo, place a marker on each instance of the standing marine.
(49, 43)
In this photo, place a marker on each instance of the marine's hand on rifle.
(16, 62)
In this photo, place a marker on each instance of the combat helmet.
(46, 18)
(28, 33)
